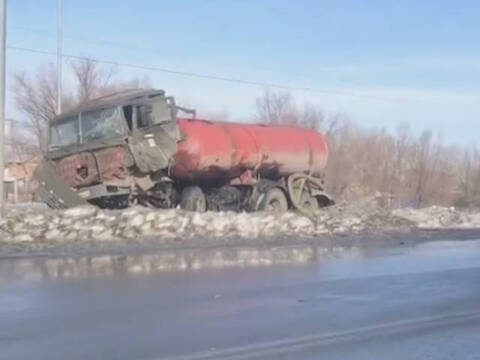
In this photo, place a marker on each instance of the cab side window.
(162, 111)
(127, 112)
(144, 116)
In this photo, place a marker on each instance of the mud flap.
(53, 191)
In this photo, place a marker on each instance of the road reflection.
(333, 262)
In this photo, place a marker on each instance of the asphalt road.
(419, 302)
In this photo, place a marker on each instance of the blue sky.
(381, 62)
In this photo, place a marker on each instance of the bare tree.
(18, 143)
(92, 78)
(433, 171)
(276, 108)
(36, 99)
(396, 166)
(312, 117)
(469, 178)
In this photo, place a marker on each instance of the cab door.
(154, 135)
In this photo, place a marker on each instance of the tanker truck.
(140, 147)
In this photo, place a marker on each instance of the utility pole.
(59, 55)
(3, 49)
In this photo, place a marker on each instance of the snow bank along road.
(38, 224)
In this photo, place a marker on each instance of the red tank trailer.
(243, 154)
(132, 147)
(221, 149)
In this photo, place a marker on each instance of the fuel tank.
(210, 150)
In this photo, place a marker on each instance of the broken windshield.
(102, 124)
(88, 126)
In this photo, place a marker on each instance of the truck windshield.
(102, 124)
(88, 126)
(65, 133)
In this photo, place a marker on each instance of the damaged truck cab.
(132, 148)
(103, 151)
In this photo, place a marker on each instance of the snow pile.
(37, 223)
(91, 223)
(437, 217)
(360, 216)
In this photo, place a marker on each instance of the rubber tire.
(193, 199)
(274, 197)
(309, 202)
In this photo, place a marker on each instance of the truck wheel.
(274, 201)
(193, 199)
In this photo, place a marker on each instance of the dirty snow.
(88, 222)
(36, 223)
(437, 217)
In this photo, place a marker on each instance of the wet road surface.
(412, 302)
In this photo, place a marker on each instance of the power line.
(97, 41)
(103, 42)
(219, 78)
